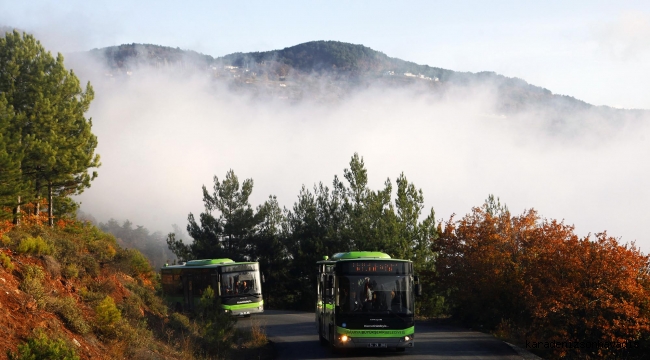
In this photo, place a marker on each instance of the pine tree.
(415, 236)
(11, 155)
(228, 224)
(55, 138)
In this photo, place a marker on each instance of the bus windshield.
(376, 294)
(240, 283)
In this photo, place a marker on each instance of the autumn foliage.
(535, 281)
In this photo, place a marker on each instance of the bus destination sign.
(376, 267)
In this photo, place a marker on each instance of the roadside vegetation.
(69, 289)
(102, 301)
(534, 282)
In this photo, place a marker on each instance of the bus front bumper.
(345, 341)
(245, 311)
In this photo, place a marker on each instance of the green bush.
(90, 296)
(178, 321)
(104, 250)
(66, 308)
(68, 251)
(42, 347)
(70, 271)
(16, 235)
(5, 240)
(90, 266)
(106, 286)
(131, 308)
(147, 295)
(6, 262)
(107, 313)
(217, 327)
(36, 246)
(136, 336)
(32, 283)
(139, 264)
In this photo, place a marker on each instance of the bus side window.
(179, 284)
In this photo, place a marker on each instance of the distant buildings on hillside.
(408, 74)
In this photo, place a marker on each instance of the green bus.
(237, 284)
(366, 300)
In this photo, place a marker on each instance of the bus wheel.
(333, 349)
(320, 334)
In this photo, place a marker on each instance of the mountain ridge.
(346, 66)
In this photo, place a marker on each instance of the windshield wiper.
(397, 314)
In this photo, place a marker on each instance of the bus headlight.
(344, 338)
(407, 338)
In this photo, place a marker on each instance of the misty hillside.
(129, 56)
(328, 71)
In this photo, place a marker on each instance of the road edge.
(525, 354)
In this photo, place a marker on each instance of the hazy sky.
(162, 138)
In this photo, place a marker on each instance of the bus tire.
(333, 349)
(322, 339)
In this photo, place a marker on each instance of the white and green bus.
(237, 284)
(366, 300)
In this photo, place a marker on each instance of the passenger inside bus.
(245, 289)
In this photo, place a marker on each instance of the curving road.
(295, 337)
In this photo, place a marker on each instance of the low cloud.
(163, 136)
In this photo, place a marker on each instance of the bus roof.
(207, 263)
(204, 262)
(356, 255)
(360, 255)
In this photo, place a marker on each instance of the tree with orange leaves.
(565, 295)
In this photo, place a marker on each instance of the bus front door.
(188, 294)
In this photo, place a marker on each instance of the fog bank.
(163, 136)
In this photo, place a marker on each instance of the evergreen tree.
(227, 227)
(236, 218)
(55, 138)
(270, 250)
(371, 218)
(11, 155)
(354, 217)
(415, 236)
(315, 227)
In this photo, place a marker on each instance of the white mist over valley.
(163, 136)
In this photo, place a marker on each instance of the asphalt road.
(295, 337)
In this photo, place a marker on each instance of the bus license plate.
(377, 345)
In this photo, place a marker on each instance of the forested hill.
(327, 71)
(335, 56)
(127, 56)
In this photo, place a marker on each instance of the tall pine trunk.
(37, 203)
(16, 220)
(50, 205)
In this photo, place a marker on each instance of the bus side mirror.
(418, 287)
(263, 279)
